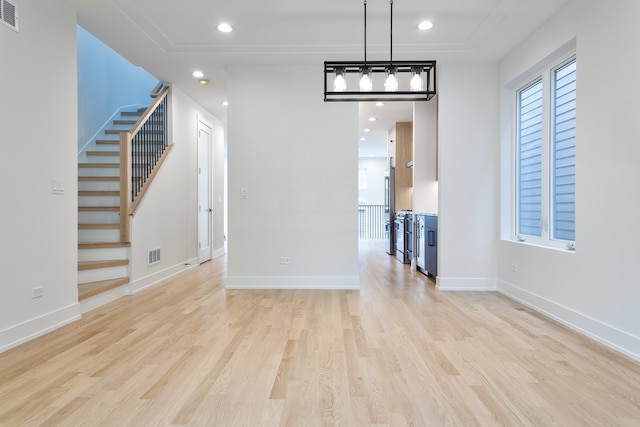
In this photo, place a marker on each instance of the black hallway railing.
(371, 222)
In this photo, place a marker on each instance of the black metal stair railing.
(142, 151)
(147, 147)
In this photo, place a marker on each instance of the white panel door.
(205, 213)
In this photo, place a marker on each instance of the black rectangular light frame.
(428, 68)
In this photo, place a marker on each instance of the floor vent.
(154, 256)
(9, 14)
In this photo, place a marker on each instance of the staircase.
(103, 261)
(107, 201)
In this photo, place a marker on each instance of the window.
(546, 157)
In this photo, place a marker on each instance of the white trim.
(219, 252)
(465, 284)
(153, 279)
(204, 125)
(275, 282)
(620, 341)
(38, 326)
(102, 298)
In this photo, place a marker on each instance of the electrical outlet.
(514, 267)
(37, 292)
(285, 260)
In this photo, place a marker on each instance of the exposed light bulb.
(391, 84)
(416, 82)
(339, 83)
(366, 85)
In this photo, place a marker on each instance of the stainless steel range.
(402, 236)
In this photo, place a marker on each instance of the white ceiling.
(171, 38)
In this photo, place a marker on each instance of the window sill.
(557, 248)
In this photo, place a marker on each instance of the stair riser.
(98, 201)
(85, 276)
(98, 185)
(102, 254)
(119, 126)
(98, 218)
(106, 147)
(103, 159)
(97, 236)
(98, 171)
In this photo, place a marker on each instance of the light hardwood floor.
(395, 353)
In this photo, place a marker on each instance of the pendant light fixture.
(391, 82)
(403, 80)
(366, 85)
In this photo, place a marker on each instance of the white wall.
(376, 169)
(38, 134)
(425, 159)
(167, 216)
(297, 157)
(596, 289)
(468, 147)
(106, 83)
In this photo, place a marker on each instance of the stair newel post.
(125, 186)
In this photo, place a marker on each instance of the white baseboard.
(143, 283)
(218, 253)
(38, 326)
(607, 335)
(465, 284)
(272, 282)
(102, 298)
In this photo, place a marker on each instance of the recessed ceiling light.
(367, 130)
(425, 25)
(372, 119)
(225, 103)
(362, 139)
(203, 82)
(225, 28)
(379, 104)
(198, 74)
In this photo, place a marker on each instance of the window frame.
(547, 77)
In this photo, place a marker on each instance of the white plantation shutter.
(564, 152)
(529, 196)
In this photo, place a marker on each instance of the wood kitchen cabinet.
(400, 153)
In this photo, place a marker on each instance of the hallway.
(397, 352)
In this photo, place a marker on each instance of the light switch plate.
(57, 186)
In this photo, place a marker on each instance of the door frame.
(205, 255)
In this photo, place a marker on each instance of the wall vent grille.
(154, 256)
(9, 14)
